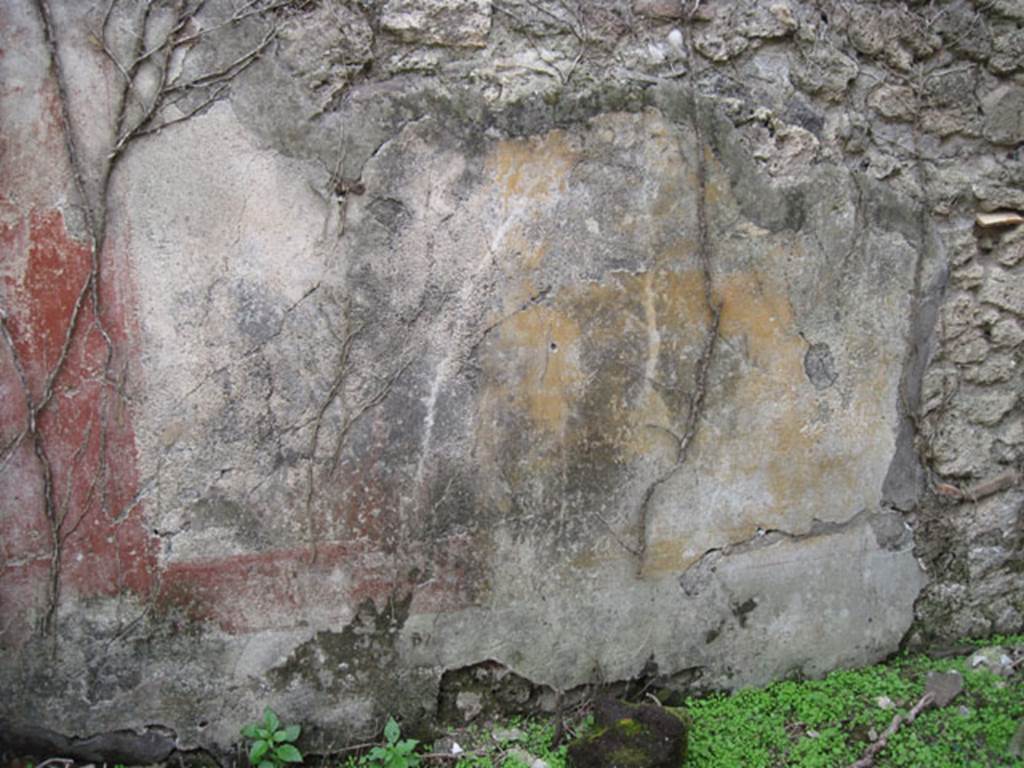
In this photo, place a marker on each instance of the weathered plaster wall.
(355, 345)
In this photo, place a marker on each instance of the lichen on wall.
(378, 347)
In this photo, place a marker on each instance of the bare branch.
(373, 400)
(216, 96)
(229, 71)
(314, 441)
(714, 309)
(30, 412)
(57, 68)
(868, 760)
(95, 207)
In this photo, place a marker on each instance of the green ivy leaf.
(291, 733)
(287, 753)
(259, 749)
(250, 731)
(391, 731)
(266, 764)
(270, 720)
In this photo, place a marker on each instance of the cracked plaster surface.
(582, 366)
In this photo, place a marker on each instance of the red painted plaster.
(86, 428)
(87, 432)
(286, 588)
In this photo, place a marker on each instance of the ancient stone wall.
(418, 356)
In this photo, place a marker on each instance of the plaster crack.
(691, 579)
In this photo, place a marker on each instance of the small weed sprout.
(395, 753)
(272, 745)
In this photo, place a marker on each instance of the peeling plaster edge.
(765, 537)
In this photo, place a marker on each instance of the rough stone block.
(460, 23)
(894, 102)
(1005, 290)
(1003, 109)
(663, 9)
(1007, 51)
(632, 735)
(824, 70)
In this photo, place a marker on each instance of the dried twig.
(64, 762)
(868, 760)
(993, 485)
(446, 756)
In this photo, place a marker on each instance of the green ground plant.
(824, 723)
(829, 722)
(396, 752)
(272, 746)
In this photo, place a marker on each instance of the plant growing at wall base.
(272, 745)
(395, 753)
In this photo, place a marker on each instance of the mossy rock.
(632, 736)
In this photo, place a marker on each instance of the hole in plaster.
(742, 610)
(820, 366)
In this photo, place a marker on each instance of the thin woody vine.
(154, 57)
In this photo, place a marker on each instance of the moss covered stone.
(632, 736)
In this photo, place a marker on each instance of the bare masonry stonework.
(355, 351)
